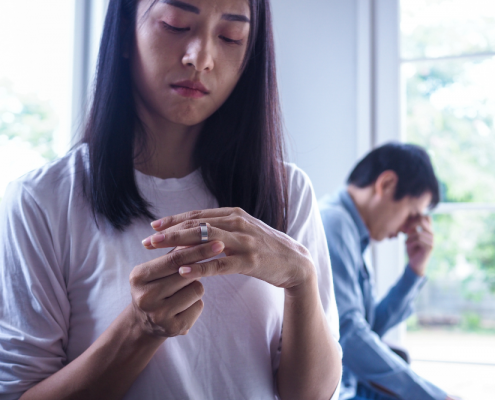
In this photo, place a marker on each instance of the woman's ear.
(386, 183)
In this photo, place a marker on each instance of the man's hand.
(419, 242)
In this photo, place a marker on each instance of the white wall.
(317, 71)
(337, 63)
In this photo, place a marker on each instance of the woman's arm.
(165, 304)
(106, 369)
(310, 359)
(310, 363)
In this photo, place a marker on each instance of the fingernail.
(157, 238)
(184, 270)
(156, 224)
(147, 242)
(217, 247)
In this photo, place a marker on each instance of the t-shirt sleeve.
(34, 308)
(305, 226)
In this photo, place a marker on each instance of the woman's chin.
(187, 116)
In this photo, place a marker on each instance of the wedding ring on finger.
(204, 232)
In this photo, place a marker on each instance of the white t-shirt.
(63, 281)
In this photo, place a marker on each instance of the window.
(448, 91)
(48, 51)
(36, 42)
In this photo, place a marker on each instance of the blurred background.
(353, 74)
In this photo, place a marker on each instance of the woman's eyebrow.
(182, 5)
(189, 7)
(235, 17)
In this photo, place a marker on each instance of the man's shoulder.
(334, 213)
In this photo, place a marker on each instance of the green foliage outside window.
(460, 137)
(27, 118)
(450, 110)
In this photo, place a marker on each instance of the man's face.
(391, 216)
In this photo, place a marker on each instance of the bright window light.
(36, 48)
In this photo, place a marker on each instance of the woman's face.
(187, 56)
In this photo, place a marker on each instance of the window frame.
(88, 24)
(387, 118)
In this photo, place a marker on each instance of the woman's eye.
(174, 29)
(230, 41)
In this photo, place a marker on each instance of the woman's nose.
(199, 55)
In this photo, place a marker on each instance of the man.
(387, 192)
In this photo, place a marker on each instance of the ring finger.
(186, 237)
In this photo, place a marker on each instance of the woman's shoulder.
(297, 179)
(301, 198)
(299, 186)
(54, 181)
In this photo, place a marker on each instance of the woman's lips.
(190, 89)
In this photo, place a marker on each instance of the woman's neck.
(169, 149)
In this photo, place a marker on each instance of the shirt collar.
(348, 203)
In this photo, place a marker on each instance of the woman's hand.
(252, 247)
(165, 303)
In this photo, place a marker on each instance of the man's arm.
(364, 353)
(396, 306)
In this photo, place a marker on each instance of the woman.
(185, 117)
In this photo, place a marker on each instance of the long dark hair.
(240, 149)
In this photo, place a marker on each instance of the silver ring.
(204, 231)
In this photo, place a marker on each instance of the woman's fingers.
(188, 317)
(171, 262)
(218, 266)
(231, 223)
(186, 237)
(185, 298)
(161, 289)
(176, 314)
(173, 220)
(149, 296)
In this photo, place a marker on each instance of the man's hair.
(411, 164)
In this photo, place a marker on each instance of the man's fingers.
(420, 236)
(418, 224)
(420, 241)
(426, 224)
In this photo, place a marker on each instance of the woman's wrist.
(307, 285)
(137, 329)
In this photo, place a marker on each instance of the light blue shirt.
(363, 320)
